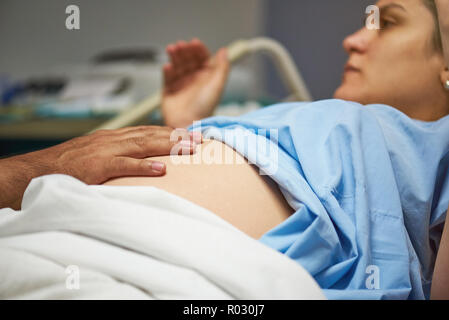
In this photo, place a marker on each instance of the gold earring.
(446, 85)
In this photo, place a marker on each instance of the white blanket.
(74, 241)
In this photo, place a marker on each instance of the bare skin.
(384, 65)
(92, 159)
(406, 29)
(407, 26)
(192, 87)
(193, 82)
(440, 280)
(443, 15)
(236, 192)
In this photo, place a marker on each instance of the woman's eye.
(384, 23)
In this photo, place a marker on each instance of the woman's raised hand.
(193, 82)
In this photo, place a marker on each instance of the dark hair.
(437, 43)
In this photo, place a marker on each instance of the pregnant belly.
(231, 188)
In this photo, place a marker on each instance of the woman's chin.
(346, 93)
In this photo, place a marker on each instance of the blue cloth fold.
(369, 186)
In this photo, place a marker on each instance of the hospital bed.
(134, 243)
(287, 69)
(148, 244)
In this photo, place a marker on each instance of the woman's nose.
(359, 41)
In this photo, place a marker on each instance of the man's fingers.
(124, 166)
(120, 133)
(142, 146)
(196, 137)
(157, 132)
(146, 141)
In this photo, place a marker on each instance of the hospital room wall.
(34, 37)
(313, 32)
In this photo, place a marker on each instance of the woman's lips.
(351, 68)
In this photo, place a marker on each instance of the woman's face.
(397, 64)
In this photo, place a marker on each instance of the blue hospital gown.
(369, 187)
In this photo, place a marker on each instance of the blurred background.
(56, 83)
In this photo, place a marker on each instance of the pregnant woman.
(356, 188)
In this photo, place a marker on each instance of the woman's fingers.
(174, 56)
(191, 62)
(220, 60)
(223, 63)
(179, 60)
(182, 52)
(201, 51)
(193, 57)
(220, 70)
(169, 75)
(186, 58)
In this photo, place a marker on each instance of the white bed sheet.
(134, 243)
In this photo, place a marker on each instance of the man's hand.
(94, 158)
(193, 82)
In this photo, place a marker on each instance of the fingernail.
(187, 144)
(181, 132)
(196, 136)
(157, 166)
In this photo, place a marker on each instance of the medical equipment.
(237, 50)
